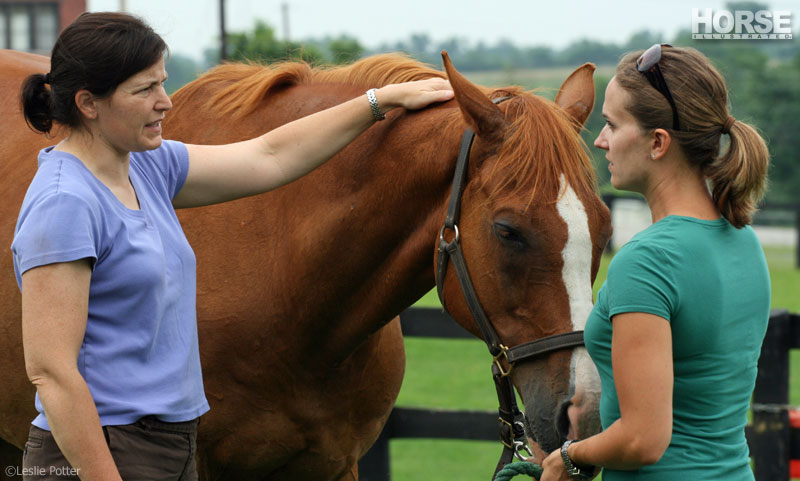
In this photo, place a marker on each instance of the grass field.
(455, 374)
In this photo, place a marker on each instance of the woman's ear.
(661, 143)
(86, 103)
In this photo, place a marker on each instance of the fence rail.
(771, 439)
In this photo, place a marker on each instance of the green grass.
(455, 374)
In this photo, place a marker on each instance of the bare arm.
(55, 300)
(226, 172)
(641, 353)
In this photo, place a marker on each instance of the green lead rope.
(513, 469)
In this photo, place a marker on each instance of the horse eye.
(509, 235)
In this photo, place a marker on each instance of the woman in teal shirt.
(677, 328)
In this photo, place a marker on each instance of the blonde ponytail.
(739, 177)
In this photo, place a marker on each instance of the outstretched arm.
(218, 173)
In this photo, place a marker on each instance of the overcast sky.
(191, 26)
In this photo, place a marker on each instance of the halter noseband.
(512, 432)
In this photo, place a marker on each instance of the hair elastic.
(726, 128)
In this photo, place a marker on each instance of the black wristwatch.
(577, 473)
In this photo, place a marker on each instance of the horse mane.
(540, 142)
(246, 84)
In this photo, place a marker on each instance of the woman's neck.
(680, 191)
(105, 162)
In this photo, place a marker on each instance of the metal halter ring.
(441, 235)
(519, 446)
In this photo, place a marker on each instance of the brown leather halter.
(512, 432)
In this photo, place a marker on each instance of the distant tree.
(539, 57)
(748, 5)
(181, 70)
(453, 45)
(586, 50)
(419, 43)
(345, 49)
(643, 39)
(261, 45)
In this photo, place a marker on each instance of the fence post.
(770, 428)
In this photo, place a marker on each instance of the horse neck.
(374, 231)
(342, 250)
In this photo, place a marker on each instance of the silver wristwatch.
(575, 472)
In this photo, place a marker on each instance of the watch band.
(576, 473)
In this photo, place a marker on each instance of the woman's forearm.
(618, 447)
(75, 424)
(301, 146)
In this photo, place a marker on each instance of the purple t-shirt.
(140, 353)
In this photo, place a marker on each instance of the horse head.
(532, 230)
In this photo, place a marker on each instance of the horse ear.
(576, 95)
(481, 114)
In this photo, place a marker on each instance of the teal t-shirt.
(709, 280)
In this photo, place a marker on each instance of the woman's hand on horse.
(414, 95)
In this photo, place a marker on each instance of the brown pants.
(147, 450)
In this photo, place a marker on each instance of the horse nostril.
(562, 423)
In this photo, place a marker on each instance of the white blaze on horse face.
(577, 277)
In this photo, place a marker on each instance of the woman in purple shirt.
(113, 352)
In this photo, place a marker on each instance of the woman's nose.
(600, 141)
(164, 103)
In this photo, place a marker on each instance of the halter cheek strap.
(512, 433)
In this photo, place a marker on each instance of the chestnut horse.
(299, 288)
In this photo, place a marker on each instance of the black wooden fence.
(772, 441)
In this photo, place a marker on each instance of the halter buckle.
(498, 358)
(507, 434)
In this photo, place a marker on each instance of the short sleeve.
(59, 227)
(640, 279)
(174, 163)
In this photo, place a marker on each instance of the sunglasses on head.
(647, 63)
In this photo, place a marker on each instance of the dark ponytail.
(97, 52)
(36, 102)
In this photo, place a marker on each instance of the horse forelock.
(245, 85)
(539, 147)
